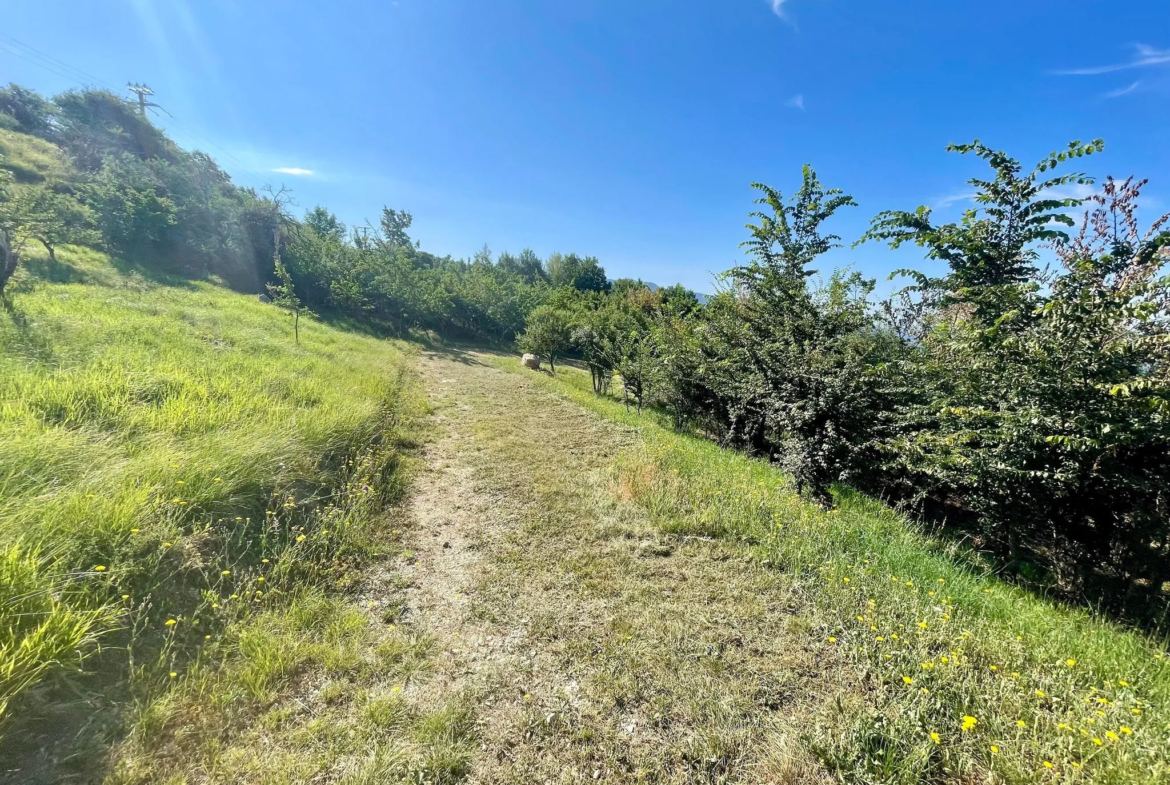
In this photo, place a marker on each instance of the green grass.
(1056, 694)
(174, 469)
(33, 160)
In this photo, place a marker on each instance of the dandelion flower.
(100, 568)
(174, 675)
(171, 622)
(206, 637)
(1111, 736)
(125, 596)
(226, 572)
(995, 667)
(1048, 764)
(1021, 723)
(935, 738)
(134, 531)
(1123, 683)
(264, 561)
(907, 680)
(166, 544)
(301, 538)
(969, 722)
(832, 640)
(922, 624)
(260, 579)
(1127, 731)
(1040, 693)
(994, 750)
(1097, 741)
(1070, 663)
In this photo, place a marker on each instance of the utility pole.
(142, 91)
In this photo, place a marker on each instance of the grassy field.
(945, 674)
(181, 489)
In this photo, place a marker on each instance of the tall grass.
(173, 462)
(958, 676)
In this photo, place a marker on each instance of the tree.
(794, 369)
(284, 295)
(325, 224)
(527, 265)
(547, 334)
(31, 113)
(394, 225)
(55, 219)
(992, 250)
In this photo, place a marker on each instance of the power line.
(16, 53)
(63, 69)
(48, 60)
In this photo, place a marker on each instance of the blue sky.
(627, 129)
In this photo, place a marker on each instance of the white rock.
(531, 361)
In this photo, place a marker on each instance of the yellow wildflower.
(969, 722)
(935, 738)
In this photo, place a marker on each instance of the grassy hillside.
(952, 674)
(173, 466)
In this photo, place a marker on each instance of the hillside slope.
(173, 465)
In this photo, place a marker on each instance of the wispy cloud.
(1071, 191)
(1123, 90)
(795, 102)
(778, 7)
(947, 201)
(295, 171)
(1144, 57)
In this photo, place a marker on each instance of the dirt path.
(588, 646)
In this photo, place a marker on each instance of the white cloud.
(295, 171)
(1144, 56)
(778, 7)
(796, 102)
(1122, 91)
(947, 201)
(1070, 191)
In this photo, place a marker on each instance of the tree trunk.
(50, 249)
(297, 326)
(9, 258)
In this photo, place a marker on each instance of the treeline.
(1026, 401)
(85, 167)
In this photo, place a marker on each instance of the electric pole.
(142, 91)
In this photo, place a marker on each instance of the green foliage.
(992, 250)
(31, 114)
(572, 271)
(55, 219)
(1049, 421)
(547, 334)
(794, 361)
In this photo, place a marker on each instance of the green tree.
(548, 334)
(55, 219)
(31, 113)
(325, 224)
(394, 225)
(992, 251)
